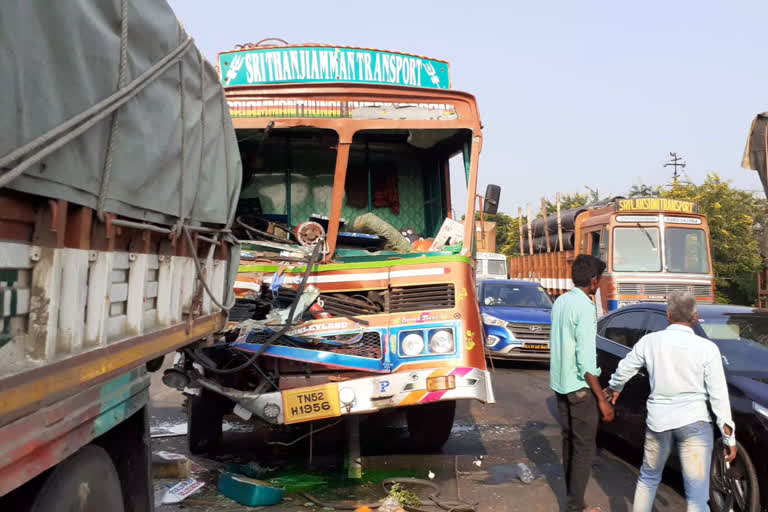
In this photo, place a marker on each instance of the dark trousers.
(580, 417)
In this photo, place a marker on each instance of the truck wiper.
(645, 232)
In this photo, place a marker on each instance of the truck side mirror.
(491, 205)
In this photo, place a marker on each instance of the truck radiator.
(364, 344)
(396, 300)
(698, 290)
(419, 298)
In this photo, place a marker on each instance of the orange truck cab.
(651, 246)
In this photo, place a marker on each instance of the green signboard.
(324, 64)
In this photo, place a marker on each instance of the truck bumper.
(362, 395)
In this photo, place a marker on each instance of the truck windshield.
(497, 267)
(686, 250)
(515, 296)
(636, 249)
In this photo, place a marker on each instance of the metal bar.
(530, 231)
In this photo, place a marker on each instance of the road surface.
(486, 443)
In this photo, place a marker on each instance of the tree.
(643, 190)
(507, 234)
(736, 219)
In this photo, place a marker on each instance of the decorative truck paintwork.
(318, 120)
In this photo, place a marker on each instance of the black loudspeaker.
(492, 193)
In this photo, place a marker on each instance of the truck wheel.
(85, 482)
(429, 425)
(735, 489)
(205, 414)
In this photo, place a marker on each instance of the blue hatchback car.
(517, 316)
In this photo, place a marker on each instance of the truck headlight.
(441, 342)
(492, 320)
(412, 344)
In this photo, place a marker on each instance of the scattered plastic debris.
(524, 473)
(177, 493)
(431, 475)
(249, 491)
(391, 504)
(252, 470)
(170, 465)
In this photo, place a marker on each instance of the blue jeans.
(694, 443)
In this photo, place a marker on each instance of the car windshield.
(497, 267)
(686, 250)
(742, 339)
(524, 296)
(636, 249)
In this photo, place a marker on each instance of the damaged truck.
(355, 290)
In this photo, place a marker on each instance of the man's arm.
(586, 358)
(717, 389)
(628, 368)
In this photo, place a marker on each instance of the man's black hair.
(584, 268)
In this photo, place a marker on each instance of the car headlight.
(492, 320)
(412, 344)
(441, 342)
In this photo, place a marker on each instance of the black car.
(741, 333)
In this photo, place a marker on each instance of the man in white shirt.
(685, 370)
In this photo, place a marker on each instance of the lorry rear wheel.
(85, 482)
(429, 425)
(205, 414)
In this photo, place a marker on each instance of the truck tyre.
(205, 414)
(741, 478)
(85, 482)
(429, 425)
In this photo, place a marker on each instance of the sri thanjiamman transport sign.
(322, 64)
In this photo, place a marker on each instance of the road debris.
(249, 491)
(524, 473)
(177, 493)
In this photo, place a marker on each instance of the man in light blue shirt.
(685, 371)
(573, 376)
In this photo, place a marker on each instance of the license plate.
(537, 346)
(313, 403)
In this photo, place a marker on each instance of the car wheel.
(86, 482)
(429, 425)
(735, 488)
(205, 415)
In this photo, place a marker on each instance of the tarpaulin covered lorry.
(119, 172)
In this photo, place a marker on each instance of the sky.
(570, 93)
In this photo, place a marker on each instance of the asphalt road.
(486, 443)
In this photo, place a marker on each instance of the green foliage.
(405, 497)
(643, 190)
(736, 219)
(738, 223)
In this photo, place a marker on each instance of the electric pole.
(675, 161)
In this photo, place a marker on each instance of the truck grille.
(369, 345)
(418, 298)
(395, 300)
(664, 289)
(529, 332)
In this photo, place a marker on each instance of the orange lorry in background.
(651, 246)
